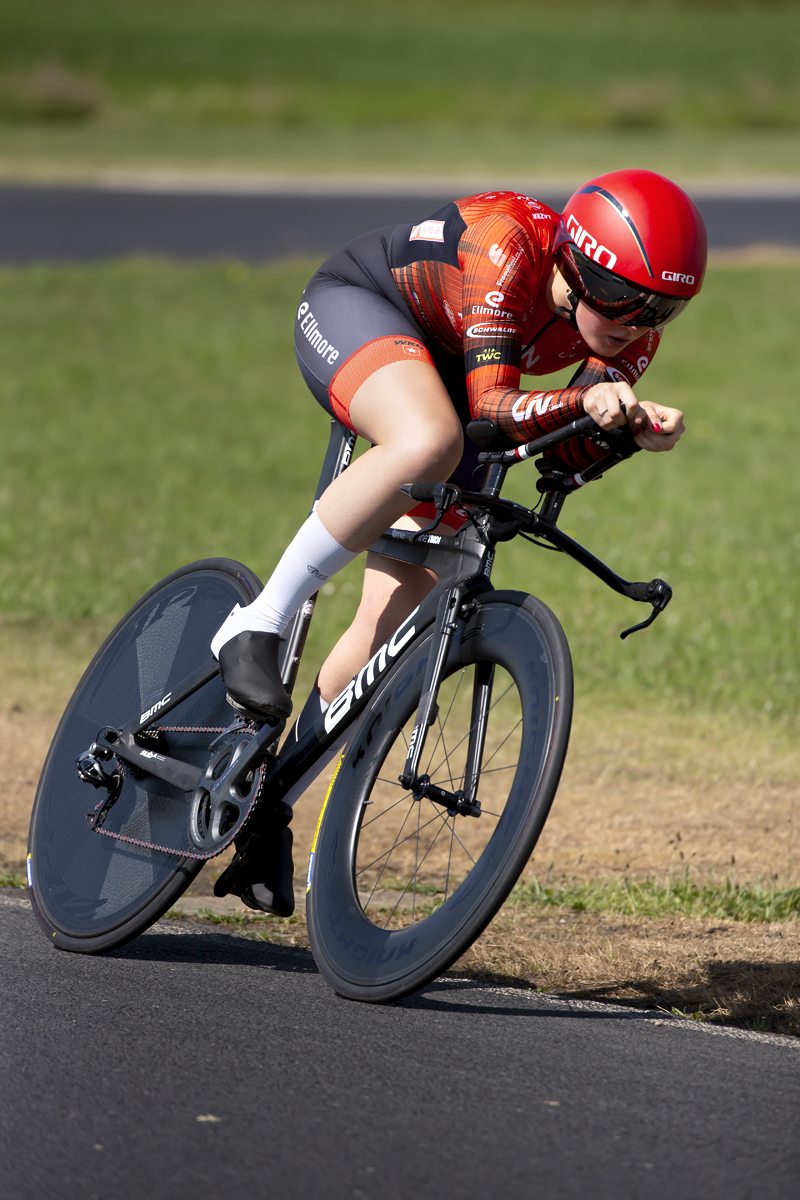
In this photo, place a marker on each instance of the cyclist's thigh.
(345, 333)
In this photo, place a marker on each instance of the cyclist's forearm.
(522, 416)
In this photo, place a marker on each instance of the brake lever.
(658, 592)
(443, 495)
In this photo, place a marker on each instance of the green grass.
(12, 879)
(519, 87)
(717, 900)
(153, 414)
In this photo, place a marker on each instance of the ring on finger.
(602, 412)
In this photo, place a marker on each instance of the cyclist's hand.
(660, 428)
(604, 404)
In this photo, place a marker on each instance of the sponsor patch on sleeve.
(506, 354)
(427, 231)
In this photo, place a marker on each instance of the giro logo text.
(588, 244)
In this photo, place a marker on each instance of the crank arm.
(251, 758)
(181, 775)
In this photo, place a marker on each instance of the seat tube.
(337, 459)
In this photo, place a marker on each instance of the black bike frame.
(462, 563)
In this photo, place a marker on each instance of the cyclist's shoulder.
(532, 218)
(506, 234)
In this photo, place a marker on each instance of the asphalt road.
(62, 224)
(197, 1064)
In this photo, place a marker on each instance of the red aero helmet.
(632, 245)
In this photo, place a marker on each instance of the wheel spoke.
(387, 856)
(505, 739)
(422, 842)
(469, 731)
(384, 811)
(396, 844)
(442, 723)
(455, 835)
(414, 878)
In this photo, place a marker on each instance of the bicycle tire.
(383, 953)
(92, 893)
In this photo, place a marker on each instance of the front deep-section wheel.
(400, 886)
(91, 889)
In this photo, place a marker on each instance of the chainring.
(216, 814)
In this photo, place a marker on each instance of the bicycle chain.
(121, 837)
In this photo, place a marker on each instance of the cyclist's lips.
(616, 341)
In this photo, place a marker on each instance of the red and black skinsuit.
(465, 290)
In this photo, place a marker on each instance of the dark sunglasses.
(612, 296)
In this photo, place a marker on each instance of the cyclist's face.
(604, 336)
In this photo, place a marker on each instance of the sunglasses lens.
(615, 298)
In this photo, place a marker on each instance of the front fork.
(464, 801)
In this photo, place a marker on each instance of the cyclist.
(408, 332)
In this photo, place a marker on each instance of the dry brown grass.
(731, 973)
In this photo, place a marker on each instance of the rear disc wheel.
(93, 892)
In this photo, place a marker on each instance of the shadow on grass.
(760, 996)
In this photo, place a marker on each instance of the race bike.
(456, 734)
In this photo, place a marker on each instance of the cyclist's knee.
(435, 450)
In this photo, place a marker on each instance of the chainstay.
(199, 856)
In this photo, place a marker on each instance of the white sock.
(309, 561)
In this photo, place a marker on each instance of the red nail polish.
(656, 428)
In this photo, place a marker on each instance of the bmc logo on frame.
(674, 277)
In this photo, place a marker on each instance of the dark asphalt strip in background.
(197, 1063)
(73, 224)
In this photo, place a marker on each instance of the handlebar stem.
(494, 479)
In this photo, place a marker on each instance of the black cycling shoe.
(249, 668)
(262, 872)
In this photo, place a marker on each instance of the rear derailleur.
(91, 770)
